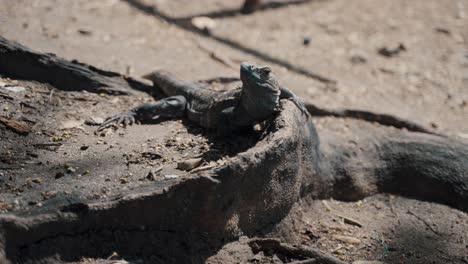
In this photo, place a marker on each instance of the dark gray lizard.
(257, 100)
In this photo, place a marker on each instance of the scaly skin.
(256, 101)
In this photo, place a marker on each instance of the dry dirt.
(426, 83)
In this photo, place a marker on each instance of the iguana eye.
(265, 71)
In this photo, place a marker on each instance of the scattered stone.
(347, 239)
(358, 59)
(85, 32)
(310, 234)
(389, 52)
(151, 155)
(84, 147)
(340, 250)
(37, 180)
(306, 41)
(367, 262)
(36, 203)
(49, 194)
(170, 176)
(442, 30)
(189, 164)
(94, 121)
(70, 170)
(13, 88)
(204, 23)
(71, 124)
(59, 175)
(123, 180)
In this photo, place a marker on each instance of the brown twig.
(271, 244)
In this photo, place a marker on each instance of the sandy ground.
(427, 83)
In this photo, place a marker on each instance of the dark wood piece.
(18, 61)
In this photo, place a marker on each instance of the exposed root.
(21, 62)
(383, 119)
(371, 161)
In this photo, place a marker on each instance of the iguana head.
(258, 77)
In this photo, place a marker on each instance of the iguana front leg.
(170, 107)
(288, 94)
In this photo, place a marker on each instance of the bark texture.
(18, 61)
(415, 165)
(187, 220)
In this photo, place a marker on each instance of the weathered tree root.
(187, 221)
(18, 61)
(182, 221)
(310, 255)
(367, 162)
(383, 119)
(380, 118)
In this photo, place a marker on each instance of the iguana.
(257, 100)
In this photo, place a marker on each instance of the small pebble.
(59, 175)
(171, 176)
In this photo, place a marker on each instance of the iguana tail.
(167, 84)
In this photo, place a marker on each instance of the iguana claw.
(125, 119)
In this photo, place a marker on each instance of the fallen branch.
(21, 62)
(298, 252)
